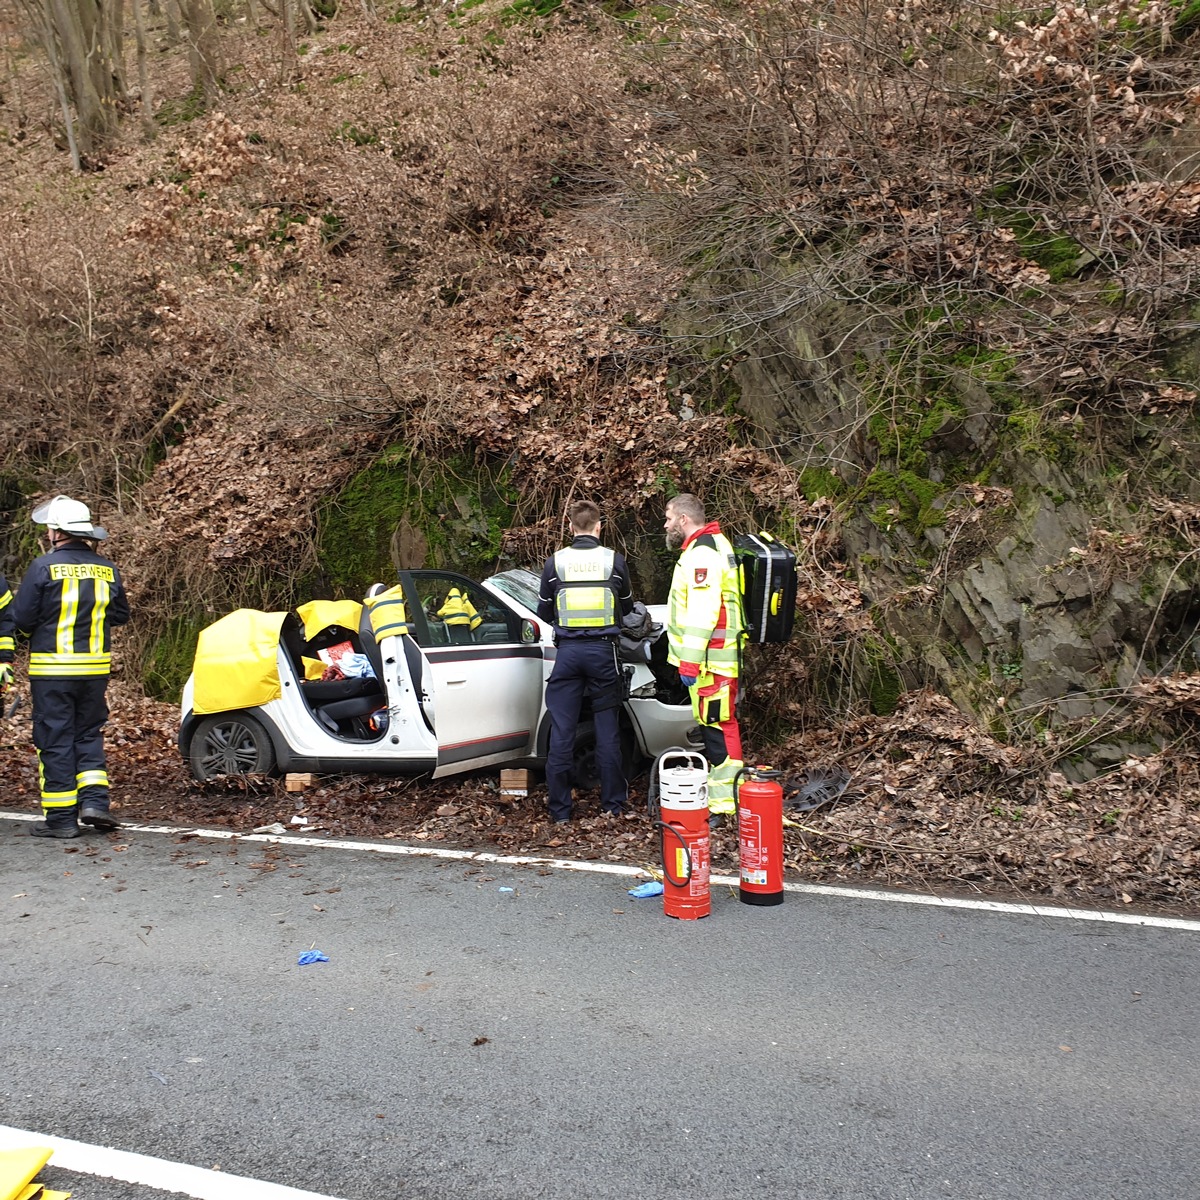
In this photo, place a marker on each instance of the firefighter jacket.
(458, 610)
(585, 590)
(6, 622)
(66, 604)
(389, 617)
(704, 621)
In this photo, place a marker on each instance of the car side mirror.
(530, 631)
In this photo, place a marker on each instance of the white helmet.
(69, 516)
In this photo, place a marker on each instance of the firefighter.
(66, 605)
(7, 645)
(585, 591)
(704, 636)
(459, 614)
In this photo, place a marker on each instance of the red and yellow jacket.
(705, 622)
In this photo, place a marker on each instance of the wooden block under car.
(514, 783)
(298, 782)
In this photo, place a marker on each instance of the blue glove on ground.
(312, 956)
(653, 888)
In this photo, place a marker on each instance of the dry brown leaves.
(934, 803)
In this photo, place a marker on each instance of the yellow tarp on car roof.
(235, 663)
(320, 614)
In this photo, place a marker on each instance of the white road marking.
(600, 868)
(158, 1173)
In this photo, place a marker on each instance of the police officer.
(705, 628)
(67, 602)
(585, 591)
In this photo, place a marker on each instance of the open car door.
(486, 667)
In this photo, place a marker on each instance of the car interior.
(343, 706)
(472, 617)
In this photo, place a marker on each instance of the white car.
(458, 692)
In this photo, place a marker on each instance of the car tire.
(585, 774)
(230, 744)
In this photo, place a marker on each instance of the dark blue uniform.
(7, 645)
(67, 602)
(585, 590)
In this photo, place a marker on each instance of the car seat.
(340, 703)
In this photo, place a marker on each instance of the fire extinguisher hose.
(687, 856)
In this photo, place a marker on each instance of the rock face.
(1034, 598)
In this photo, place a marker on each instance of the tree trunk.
(287, 56)
(91, 65)
(60, 85)
(139, 26)
(174, 21)
(204, 50)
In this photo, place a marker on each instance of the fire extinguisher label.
(681, 863)
(755, 877)
(753, 853)
(698, 884)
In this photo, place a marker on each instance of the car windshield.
(519, 585)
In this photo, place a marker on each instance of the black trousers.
(68, 731)
(585, 664)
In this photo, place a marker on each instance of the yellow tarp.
(320, 614)
(235, 663)
(18, 1167)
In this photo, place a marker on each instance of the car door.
(487, 679)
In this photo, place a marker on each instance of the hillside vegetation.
(914, 286)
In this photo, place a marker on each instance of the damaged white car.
(435, 674)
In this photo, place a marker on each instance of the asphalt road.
(565, 1040)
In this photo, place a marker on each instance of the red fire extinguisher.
(683, 801)
(759, 799)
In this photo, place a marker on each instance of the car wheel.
(230, 744)
(585, 771)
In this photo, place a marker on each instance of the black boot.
(98, 818)
(42, 829)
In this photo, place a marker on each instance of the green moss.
(817, 482)
(178, 112)
(1034, 433)
(459, 511)
(918, 391)
(169, 662)
(18, 534)
(884, 687)
(902, 498)
(350, 132)
(1059, 255)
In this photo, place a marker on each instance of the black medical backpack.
(767, 571)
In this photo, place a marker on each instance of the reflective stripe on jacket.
(66, 604)
(585, 598)
(458, 610)
(6, 623)
(704, 622)
(389, 617)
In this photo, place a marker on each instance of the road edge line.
(1011, 908)
(203, 1183)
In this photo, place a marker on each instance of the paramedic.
(704, 636)
(585, 591)
(66, 605)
